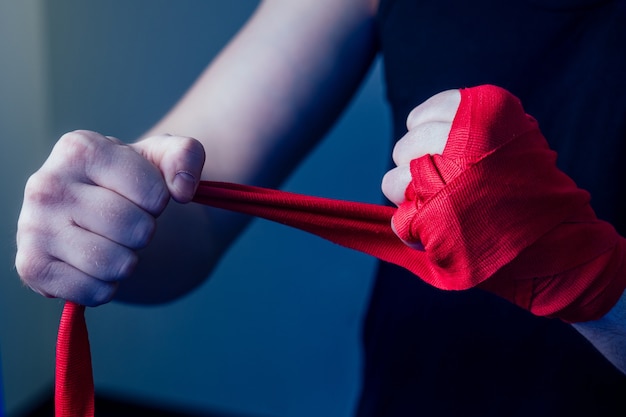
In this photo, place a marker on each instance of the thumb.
(180, 160)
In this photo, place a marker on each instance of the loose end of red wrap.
(74, 387)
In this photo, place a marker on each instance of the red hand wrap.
(494, 211)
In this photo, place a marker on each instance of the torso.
(471, 353)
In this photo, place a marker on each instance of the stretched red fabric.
(361, 226)
(542, 246)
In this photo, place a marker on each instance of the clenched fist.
(93, 204)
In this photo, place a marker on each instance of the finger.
(54, 278)
(441, 107)
(428, 138)
(92, 254)
(76, 286)
(395, 182)
(108, 214)
(180, 160)
(92, 158)
(413, 245)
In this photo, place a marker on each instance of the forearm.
(257, 109)
(276, 88)
(608, 334)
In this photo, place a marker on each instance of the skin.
(87, 229)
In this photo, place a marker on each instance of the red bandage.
(494, 211)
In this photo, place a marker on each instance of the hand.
(428, 127)
(93, 204)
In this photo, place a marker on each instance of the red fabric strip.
(361, 226)
(74, 389)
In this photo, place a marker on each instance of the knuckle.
(77, 145)
(427, 138)
(413, 118)
(395, 183)
(32, 268)
(440, 107)
(42, 190)
(385, 185)
(192, 147)
(396, 153)
(190, 152)
(404, 150)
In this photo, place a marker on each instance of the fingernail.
(185, 183)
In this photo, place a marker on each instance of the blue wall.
(27, 321)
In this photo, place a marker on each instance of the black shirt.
(436, 353)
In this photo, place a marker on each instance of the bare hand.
(93, 204)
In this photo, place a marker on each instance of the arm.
(608, 334)
(276, 88)
(256, 110)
